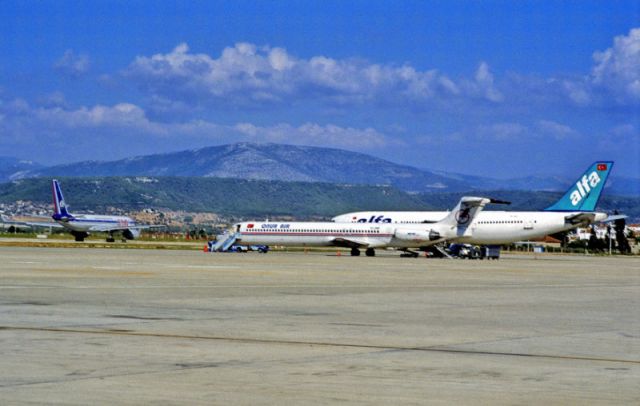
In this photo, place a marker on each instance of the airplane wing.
(5, 222)
(614, 218)
(107, 228)
(350, 242)
(592, 217)
(43, 224)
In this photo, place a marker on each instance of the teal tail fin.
(585, 193)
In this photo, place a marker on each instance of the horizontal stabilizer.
(496, 201)
(614, 218)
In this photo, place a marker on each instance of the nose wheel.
(370, 252)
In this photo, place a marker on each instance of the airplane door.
(528, 225)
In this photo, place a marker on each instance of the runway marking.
(438, 349)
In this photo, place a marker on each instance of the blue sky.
(495, 88)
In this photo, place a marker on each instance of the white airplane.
(81, 225)
(362, 235)
(574, 209)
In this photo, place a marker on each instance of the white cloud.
(129, 121)
(617, 69)
(251, 75)
(614, 78)
(72, 64)
(248, 74)
(484, 84)
(122, 115)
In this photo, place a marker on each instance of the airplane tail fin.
(59, 205)
(585, 193)
(465, 211)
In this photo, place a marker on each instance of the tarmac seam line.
(438, 349)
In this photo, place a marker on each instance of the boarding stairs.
(223, 242)
(439, 252)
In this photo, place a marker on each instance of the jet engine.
(131, 234)
(410, 234)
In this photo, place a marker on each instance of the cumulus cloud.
(249, 74)
(72, 64)
(129, 121)
(484, 86)
(617, 69)
(614, 76)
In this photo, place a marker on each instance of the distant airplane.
(81, 225)
(574, 209)
(8, 224)
(362, 235)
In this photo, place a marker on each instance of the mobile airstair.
(223, 242)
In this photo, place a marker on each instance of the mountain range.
(13, 168)
(280, 162)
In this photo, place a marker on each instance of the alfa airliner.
(366, 236)
(574, 209)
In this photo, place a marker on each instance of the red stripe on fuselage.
(318, 234)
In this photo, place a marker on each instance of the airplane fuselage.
(325, 234)
(89, 222)
(488, 228)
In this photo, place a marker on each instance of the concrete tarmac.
(111, 326)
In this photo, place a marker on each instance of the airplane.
(574, 209)
(8, 224)
(81, 225)
(362, 235)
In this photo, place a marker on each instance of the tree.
(623, 243)
(595, 244)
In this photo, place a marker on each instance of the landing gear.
(355, 252)
(370, 252)
(110, 238)
(79, 236)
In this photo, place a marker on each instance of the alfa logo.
(584, 187)
(374, 219)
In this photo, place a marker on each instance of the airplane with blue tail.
(576, 208)
(82, 225)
